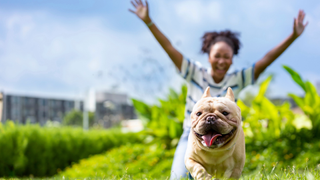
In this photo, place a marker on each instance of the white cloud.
(192, 11)
(265, 14)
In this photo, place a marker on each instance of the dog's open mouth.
(215, 138)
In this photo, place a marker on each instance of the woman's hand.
(273, 54)
(141, 10)
(298, 26)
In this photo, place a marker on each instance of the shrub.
(42, 151)
(310, 103)
(273, 136)
(164, 123)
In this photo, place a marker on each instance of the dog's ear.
(206, 93)
(229, 94)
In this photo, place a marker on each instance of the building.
(112, 108)
(35, 109)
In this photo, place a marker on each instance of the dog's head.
(215, 120)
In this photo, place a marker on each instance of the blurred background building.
(21, 108)
(111, 108)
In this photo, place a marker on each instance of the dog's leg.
(197, 171)
(236, 173)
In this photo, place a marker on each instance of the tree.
(75, 118)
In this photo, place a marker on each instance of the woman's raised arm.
(142, 11)
(298, 28)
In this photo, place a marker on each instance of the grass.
(285, 174)
(289, 173)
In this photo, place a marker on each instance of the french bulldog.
(216, 146)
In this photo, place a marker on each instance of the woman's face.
(220, 58)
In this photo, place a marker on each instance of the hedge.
(44, 151)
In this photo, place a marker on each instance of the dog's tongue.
(210, 138)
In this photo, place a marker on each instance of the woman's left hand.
(298, 26)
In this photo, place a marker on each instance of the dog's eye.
(225, 113)
(198, 113)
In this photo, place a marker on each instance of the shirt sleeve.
(190, 70)
(248, 76)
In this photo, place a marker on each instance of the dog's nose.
(210, 119)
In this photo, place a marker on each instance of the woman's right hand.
(141, 10)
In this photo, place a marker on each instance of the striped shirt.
(199, 78)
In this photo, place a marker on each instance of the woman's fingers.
(137, 2)
(133, 4)
(302, 17)
(299, 15)
(132, 11)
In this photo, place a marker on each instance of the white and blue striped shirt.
(199, 78)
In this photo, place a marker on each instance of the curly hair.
(231, 38)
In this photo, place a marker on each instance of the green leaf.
(296, 77)
(269, 109)
(299, 101)
(263, 88)
(244, 109)
(143, 110)
(313, 93)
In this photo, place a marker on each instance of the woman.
(221, 47)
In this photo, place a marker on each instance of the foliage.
(75, 118)
(264, 121)
(164, 123)
(137, 162)
(43, 151)
(310, 103)
(274, 136)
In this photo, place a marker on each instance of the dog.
(216, 146)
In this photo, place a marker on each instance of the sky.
(59, 48)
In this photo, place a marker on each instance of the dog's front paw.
(208, 177)
(203, 175)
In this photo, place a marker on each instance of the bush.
(42, 151)
(310, 103)
(164, 123)
(273, 136)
